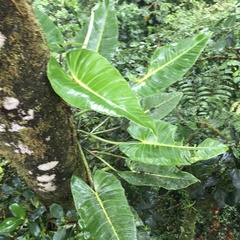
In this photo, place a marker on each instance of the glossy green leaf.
(165, 150)
(17, 211)
(159, 106)
(7, 190)
(10, 224)
(101, 33)
(220, 44)
(235, 175)
(220, 197)
(230, 21)
(56, 211)
(17, 182)
(104, 211)
(95, 84)
(60, 234)
(37, 213)
(28, 194)
(170, 178)
(169, 64)
(35, 229)
(52, 33)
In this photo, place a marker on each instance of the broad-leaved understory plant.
(87, 80)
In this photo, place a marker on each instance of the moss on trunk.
(189, 224)
(36, 129)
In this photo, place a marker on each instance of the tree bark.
(37, 133)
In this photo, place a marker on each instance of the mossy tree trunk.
(189, 224)
(36, 130)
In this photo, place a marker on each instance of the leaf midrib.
(171, 146)
(105, 99)
(157, 175)
(106, 215)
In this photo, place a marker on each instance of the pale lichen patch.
(47, 187)
(2, 40)
(46, 178)
(30, 115)
(48, 138)
(15, 127)
(10, 103)
(47, 166)
(22, 149)
(2, 128)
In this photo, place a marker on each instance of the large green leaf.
(165, 150)
(53, 35)
(95, 84)
(159, 106)
(10, 224)
(169, 64)
(170, 178)
(104, 211)
(101, 33)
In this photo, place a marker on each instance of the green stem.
(99, 138)
(101, 159)
(71, 43)
(89, 174)
(112, 148)
(99, 125)
(108, 130)
(109, 154)
(80, 113)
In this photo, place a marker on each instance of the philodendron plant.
(90, 82)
